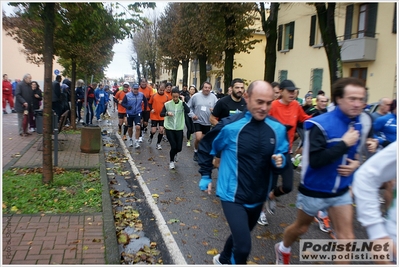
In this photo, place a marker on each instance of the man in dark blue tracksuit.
(250, 146)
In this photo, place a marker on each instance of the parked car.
(372, 107)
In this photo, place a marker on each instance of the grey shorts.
(311, 205)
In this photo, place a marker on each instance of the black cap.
(288, 84)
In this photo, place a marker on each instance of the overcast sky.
(120, 64)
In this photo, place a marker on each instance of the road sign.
(56, 72)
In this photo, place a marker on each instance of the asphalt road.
(196, 219)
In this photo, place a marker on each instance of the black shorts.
(156, 123)
(146, 115)
(201, 128)
(136, 119)
(121, 115)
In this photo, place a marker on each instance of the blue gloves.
(203, 183)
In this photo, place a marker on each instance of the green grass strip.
(70, 192)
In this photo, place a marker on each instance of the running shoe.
(271, 206)
(164, 138)
(262, 219)
(195, 158)
(188, 143)
(171, 165)
(141, 139)
(176, 159)
(137, 145)
(216, 260)
(124, 138)
(159, 147)
(130, 143)
(281, 257)
(324, 223)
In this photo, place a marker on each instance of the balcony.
(359, 49)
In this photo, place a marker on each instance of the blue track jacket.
(324, 181)
(132, 103)
(246, 147)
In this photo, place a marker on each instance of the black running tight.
(241, 221)
(175, 139)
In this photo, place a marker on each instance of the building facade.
(15, 65)
(366, 33)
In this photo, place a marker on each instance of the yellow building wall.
(381, 73)
(253, 64)
(14, 64)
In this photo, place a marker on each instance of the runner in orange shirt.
(156, 104)
(147, 91)
(288, 112)
(121, 110)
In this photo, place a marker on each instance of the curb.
(15, 160)
(167, 236)
(110, 241)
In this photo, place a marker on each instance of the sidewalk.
(56, 239)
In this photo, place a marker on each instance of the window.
(316, 80)
(348, 22)
(218, 83)
(360, 73)
(315, 34)
(286, 36)
(367, 20)
(282, 75)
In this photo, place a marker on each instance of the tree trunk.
(228, 67)
(269, 26)
(49, 25)
(229, 24)
(175, 68)
(153, 71)
(73, 100)
(184, 64)
(326, 18)
(202, 68)
(138, 71)
(145, 71)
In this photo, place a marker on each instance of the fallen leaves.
(213, 251)
(173, 221)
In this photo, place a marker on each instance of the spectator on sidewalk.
(24, 98)
(80, 98)
(7, 94)
(56, 96)
(37, 97)
(90, 102)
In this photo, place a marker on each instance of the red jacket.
(7, 87)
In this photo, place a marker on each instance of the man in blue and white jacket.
(333, 147)
(132, 102)
(250, 146)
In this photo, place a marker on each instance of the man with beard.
(231, 104)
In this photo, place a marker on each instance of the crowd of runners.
(257, 136)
